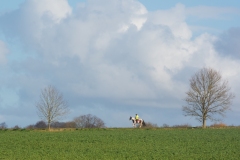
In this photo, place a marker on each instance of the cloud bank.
(3, 52)
(108, 56)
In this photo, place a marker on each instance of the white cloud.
(109, 51)
(137, 63)
(174, 19)
(29, 21)
(54, 9)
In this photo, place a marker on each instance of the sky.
(115, 58)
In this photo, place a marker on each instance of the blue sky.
(116, 58)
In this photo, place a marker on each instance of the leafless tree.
(88, 121)
(51, 105)
(3, 125)
(209, 95)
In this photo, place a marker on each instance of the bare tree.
(208, 96)
(51, 106)
(3, 125)
(88, 121)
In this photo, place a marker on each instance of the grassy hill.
(121, 143)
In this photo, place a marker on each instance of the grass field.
(121, 144)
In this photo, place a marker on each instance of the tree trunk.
(48, 126)
(204, 123)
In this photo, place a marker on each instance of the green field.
(121, 144)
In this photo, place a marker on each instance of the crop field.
(121, 143)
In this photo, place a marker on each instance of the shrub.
(182, 126)
(218, 125)
(70, 124)
(30, 126)
(150, 125)
(165, 125)
(40, 125)
(16, 127)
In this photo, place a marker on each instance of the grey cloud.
(3, 52)
(228, 43)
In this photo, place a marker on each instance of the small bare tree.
(51, 106)
(88, 121)
(3, 125)
(208, 95)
